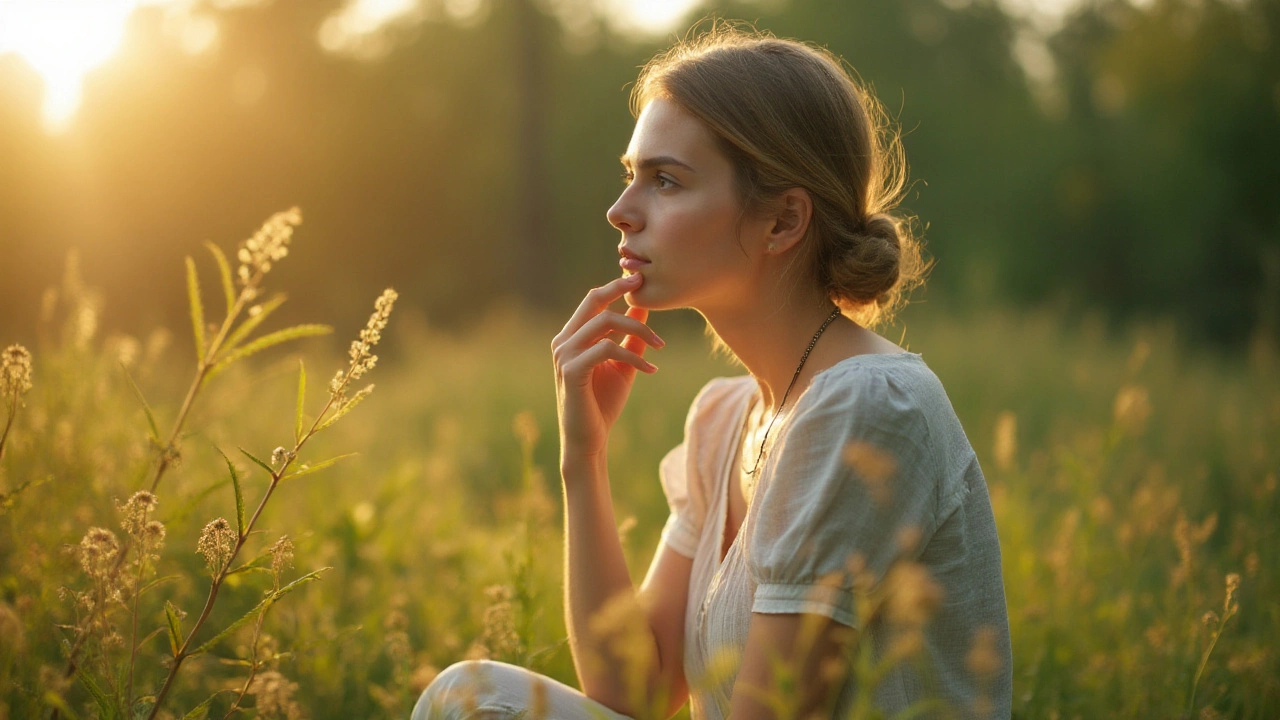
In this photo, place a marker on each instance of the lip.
(630, 259)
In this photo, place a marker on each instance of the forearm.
(596, 576)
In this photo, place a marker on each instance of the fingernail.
(631, 278)
(652, 368)
(659, 341)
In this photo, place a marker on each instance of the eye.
(664, 182)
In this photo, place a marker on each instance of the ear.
(790, 222)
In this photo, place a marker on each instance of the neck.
(770, 336)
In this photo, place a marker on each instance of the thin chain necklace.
(830, 318)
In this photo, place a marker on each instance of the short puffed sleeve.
(852, 471)
(684, 470)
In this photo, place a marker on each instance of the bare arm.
(791, 667)
(623, 647)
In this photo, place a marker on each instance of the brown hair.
(787, 115)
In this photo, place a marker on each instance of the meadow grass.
(1133, 481)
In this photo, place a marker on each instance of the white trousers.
(490, 690)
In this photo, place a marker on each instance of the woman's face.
(680, 215)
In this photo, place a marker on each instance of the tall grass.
(1134, 482)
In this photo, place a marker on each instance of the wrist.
(578, 467)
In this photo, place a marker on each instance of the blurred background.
(1098, 180)
(1081, 154)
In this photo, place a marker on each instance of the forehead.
(666, 129)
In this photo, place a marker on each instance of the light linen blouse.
(811, 511)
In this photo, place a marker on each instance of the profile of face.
(680, 216)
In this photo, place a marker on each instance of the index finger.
(600, 298)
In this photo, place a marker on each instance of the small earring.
(772, 247)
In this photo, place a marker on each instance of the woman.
(827, 501)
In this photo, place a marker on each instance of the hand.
(594, 373)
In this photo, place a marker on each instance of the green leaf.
(269, 340)
(157, 582)
(224, 269)
(258, 462)
(347, 407)
(151, 418)
(108, 708)
(188, 507)
(175, 627)
(235, 483)
(253, 321)
(260, 607)
(313, 575)
(201, 711)
(302, 396)
(8, 499)
(197, 308)
(308, 469)
(249, 569)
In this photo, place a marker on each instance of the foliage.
(1134, 485)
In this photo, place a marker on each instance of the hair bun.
(883, 226)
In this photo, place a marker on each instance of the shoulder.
(873, 390)
(719, 400)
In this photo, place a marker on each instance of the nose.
(624, 214)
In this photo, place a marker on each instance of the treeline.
(1136, 167)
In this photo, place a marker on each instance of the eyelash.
(628, 177)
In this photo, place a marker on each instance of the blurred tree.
(460, 155)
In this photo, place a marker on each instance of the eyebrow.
(652, 162)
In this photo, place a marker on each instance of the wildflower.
(15, 372)
(273, 696)
(498, 638)
(135, 511)
(216, 543)
(874, 467)
(98, 551)
(153, 533)
(1229, 607)
(525, 427)
(11, 635)
(422, 676)
(362, 357)
(396, 625)
(911, 595)
(538, 705)
(1006, 440)
(269, 244)
(983, 660)
(279, 456)
(1132, 408)
(281, 555)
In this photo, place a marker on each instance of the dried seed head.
(215, 544)
(135, 511)
(273, 696)
(154, 533)
(98, 551)
(15, 372)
